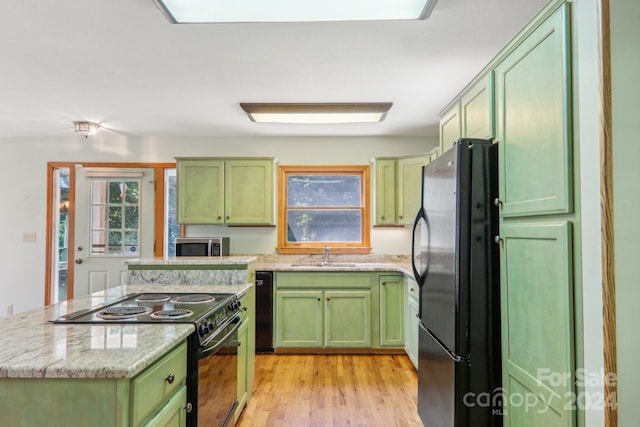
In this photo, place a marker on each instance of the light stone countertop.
(32, 347)
(196, 261)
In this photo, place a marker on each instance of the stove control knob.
(202, 330)
(209, 325)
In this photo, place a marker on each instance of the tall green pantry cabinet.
(537, 217)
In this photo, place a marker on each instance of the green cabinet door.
(533, 124)
(347, 318)
(385, 191)
(249, 191)
(200, 191)
(300, 318)
(242, 368)
(476, 109)
(537, 324)
(392, 301)
(174, 413)
(450, 127)
(409, 187)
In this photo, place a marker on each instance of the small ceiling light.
(198, 11)
(372, 112)
(86, 128)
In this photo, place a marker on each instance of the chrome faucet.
(325, 259)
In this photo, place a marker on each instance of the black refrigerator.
(456, 264)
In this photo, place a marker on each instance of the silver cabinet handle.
(188, 407)
(497, 239)
(497, 202)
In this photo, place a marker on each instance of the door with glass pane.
(114, 222)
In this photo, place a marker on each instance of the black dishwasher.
(264, 312)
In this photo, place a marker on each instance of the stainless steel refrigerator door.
(439, 384)
(439, 295)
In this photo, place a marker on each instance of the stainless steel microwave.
(202, 246)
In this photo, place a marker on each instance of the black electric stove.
(207, 311)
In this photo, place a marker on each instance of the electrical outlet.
(9, 309)
(29, 236)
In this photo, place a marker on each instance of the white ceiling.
(120, 63)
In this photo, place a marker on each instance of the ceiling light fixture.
(86, 128)
(317, 113)
(198, 11)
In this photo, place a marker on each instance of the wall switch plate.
(9, 309)
(29, 236)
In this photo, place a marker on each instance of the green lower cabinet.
(347, 318)
(411, 320)
(537, 324)
(246, 349)
(392, 301)
(173, 413)
(299, 319)
(144, 400)
(242, 368)
(319, 319)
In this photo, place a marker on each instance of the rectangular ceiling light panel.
(203, 11)
(317, 113)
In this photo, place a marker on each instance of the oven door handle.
(207, 351)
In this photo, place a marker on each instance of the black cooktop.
(152, 308)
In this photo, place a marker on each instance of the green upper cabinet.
(450, 127)
(392, 302)
(398, 187)
(249, 191)
(537, 323)
(200, 191)
(409, 187)
(476, 109)
(385, 191)
(533, 124)
(225, 191)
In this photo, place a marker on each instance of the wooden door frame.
(606, 217)
(158, 228)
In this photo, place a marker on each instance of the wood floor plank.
(333, 390)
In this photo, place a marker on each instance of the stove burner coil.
(152, 298)
(176, 313)
(113, 313)
(193, 299)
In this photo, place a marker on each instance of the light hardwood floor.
(333, 390)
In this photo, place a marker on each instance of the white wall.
(23, 175)
(625, 63)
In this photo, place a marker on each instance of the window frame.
(362, 247)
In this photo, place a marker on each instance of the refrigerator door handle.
(453, 357)
(418, 276)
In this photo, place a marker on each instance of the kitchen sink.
(334, 265)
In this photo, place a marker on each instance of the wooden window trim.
(363, 247)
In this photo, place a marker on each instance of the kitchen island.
(79, 375)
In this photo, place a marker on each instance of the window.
(115, 216)
(323, 205)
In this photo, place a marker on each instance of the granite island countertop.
(32, 347)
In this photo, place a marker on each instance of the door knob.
(78, 261)
(80, 248)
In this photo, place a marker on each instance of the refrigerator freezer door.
(439, 295)
(441, 384)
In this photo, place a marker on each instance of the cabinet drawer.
(151, 387)
(328, 280)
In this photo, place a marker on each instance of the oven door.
(217, 364)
